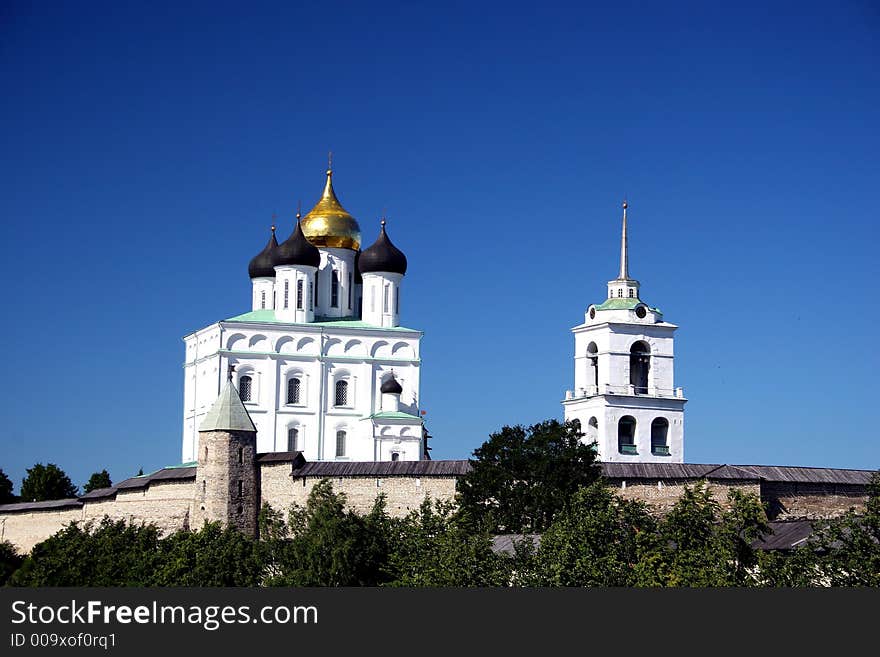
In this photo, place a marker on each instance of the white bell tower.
(624, 395)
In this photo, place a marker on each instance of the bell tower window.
(639, 366)
(626, 435)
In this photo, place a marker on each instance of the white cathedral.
(624, 393)
(324, 367)
(321, 361)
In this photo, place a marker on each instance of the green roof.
(394, 415)
(268, 317)
(623, 303)
(227, 413)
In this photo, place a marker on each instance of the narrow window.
(620, 293)
(385, 300)
(293, 389)
(286, 285)
(626, 435)
(263, 300)
(631, 293)
(340, 443)
(341, 393)
(299, 295)
(204, 486)
(350, 287)
(593, 365)
(311, 298)
(240, 488)
(316, 287)
(292, 439)
(395, 456)
(397, 300)
(245, 388)
(334, 289)
(372, 298)
(241, 454)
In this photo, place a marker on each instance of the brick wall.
(789, 500)
(403, 494)
(662, 495)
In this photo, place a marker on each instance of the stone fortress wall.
(167, 497)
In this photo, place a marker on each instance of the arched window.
(316, 287)
(340, 443)
(395, 456)
(245, 388)
(592, 434)
(350, 288)
(397, 300)
(631, 293)
(334, 289)
(626, 435)
(293, 439)
(593, 365)
(341, 393)
(299, 295)
(311, 298)
(385, 299)
(639, 366)
(286, 289)
(660, 436)
(294, 386)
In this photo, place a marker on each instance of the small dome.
(263, 264)
(297, 250)
(328, 224)
(382, 256)
(391, 386)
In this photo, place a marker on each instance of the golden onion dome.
(328, 224)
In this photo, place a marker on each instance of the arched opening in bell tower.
(639, 366)
(593, 367)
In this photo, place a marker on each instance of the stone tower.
(227, 484)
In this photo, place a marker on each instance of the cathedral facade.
(625, 395)
(320, 361)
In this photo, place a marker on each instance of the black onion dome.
(382, 256)
(391, 386)
(297, 250)
(263, 264)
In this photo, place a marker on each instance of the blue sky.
(146, 146)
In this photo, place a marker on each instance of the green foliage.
(6, 496)
(211, 556)
(109, 554)
(46, 482)
(594, 542)
(10, 561)
(522, 477)
(325, 545)
(98, 480)
(433, 548)
(698, 545)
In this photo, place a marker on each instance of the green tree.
(98, 480)
(433, 548)
(522, 477)
(850, 545)
(10, 561)
(46, 482)
(325, 545)
(211, 556)
(594, 542)
(111, 553)
(6, 496)
(699, 545)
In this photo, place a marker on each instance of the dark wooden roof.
(383, 469)
(281, 457)
(71, 503)
(786, 535)
(770, 473)
(99, 493)
(809, 475)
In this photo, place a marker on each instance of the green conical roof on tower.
(228, 413)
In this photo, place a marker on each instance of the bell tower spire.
(624, 254)
(623, 286)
